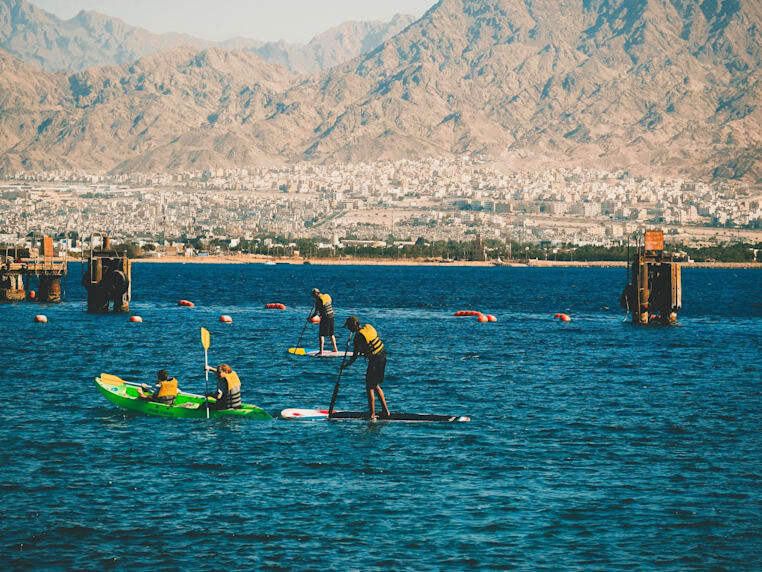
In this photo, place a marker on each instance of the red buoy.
(275, 306)
(315, 319)
(41, 319)
(557, 315)
(136, 319)
(186, 303)
(32, 294)
(482, 318)
(467, 313)
(225, 319)
(491, 318)
(564, 318)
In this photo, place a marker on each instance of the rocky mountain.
(87, 40)
(335, 46)
(91, 39)
(654, 86)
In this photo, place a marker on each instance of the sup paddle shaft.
(338, 379)
(302, 334)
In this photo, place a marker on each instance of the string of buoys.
(275, 306)
(225, 319)
(315, 319)
(41, 319)
(136, 319)
(186, 303)
(563, 317)
(479, 316)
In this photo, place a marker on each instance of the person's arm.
(355, 354)
(314, 311)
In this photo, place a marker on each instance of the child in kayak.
(164, 391)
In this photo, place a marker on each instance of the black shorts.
(374, 375)
(326, 326)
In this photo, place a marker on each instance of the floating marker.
(482, 318)
(225, 319)
(136, 319)
(315, 319)
(564, 318)
(491, 318)
(41, 319)
(275, 306)
(186, 303)
(32, 294)
(461, 313)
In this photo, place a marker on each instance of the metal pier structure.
(106, 275)
(20, 273)
(653, 294)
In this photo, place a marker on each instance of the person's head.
(223, 369)
(352, 324)
(315, 293)
(162, 375)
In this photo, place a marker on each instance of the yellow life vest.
(327, 305)
(232, 398)
(168, 388)
(375, 345)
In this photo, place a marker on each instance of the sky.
(295, 21)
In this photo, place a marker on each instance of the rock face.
(669, 86)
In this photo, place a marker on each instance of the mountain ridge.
(668, 86)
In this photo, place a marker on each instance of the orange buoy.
(315, 319)
(186, 303)
(564, 318)
(557, 316)
(32, 294)
(491, 318)
(467, 313)
(225, 319)
(275, 306)
(41, 319)
(482, 318)
(136, 319)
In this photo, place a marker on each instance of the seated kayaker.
(228, 393)
(164, 391)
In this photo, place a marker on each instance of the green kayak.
(187, 405)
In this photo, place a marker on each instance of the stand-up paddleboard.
(316, 353)
(322, 415)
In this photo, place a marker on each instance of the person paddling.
(228, 395)
(324, 307)
(368, 344)
(165, 389)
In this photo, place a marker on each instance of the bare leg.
(371, 403)
(382, 399)
(322, 343)
(333, 341)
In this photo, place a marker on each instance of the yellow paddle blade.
(297, 351)
(205, 338)
(109, 379)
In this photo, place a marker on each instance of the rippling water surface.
(592, 444)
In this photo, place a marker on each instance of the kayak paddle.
(338, 379)
(205, 343)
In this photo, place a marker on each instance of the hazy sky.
(291, 20)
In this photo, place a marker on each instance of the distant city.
(342, 204)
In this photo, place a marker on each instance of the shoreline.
(259, 259)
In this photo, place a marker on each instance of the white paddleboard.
(316, 353)
(322, 415)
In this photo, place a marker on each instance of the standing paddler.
(324, 307)
(368, 344)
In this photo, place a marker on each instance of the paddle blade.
(297, 351)
(205, 338)
(109, 379)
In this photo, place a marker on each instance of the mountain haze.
(91, 39)
(668, 86)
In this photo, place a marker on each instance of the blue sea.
(593, 444)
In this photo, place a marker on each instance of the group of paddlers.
(228, 393)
